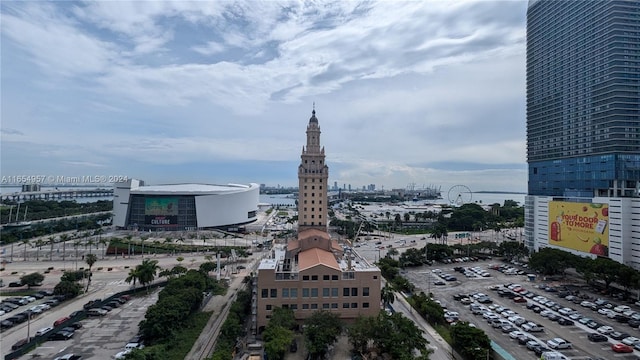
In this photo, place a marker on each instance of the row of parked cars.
(97, 308)
(443, 276)
(17, 303)
(555, 312)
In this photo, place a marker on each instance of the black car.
(76, 313)
(69, 329)
(621, 318)
(5, 324)
(15, 284)
(566, 322)
(597, 337)
(553, 317)
(541, 349)
(37, 295)
(18, 318)
(593, 325)
(616, 335)
(523, 339)
(61, 335)
(76, 325)
(20, 343)
(46, 292)
(634, 323)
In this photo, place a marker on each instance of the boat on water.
(17, 224)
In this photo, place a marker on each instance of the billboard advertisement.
(580, 226)
(161, 211)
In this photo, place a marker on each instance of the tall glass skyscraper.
(583, 120)
(583, 97)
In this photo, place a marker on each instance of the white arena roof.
(191, 189)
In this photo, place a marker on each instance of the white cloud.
(396, 82)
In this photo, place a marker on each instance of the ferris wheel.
(459, 195)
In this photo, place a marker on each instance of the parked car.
(20, 343)
(61, 335)
(621, 348)
(596, 337)
(559, 343)
(566, 322)
(44, 331)
(68, 357)
(60, 321)
(96, 312)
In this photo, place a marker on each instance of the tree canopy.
(322, 329)
(392, 334)
(33, 279)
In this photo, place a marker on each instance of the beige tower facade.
(313, 174)
(313, 271)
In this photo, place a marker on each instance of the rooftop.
(191, 189)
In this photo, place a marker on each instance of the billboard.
(580, 226)
(161, 211)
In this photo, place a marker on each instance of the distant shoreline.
(499, 192)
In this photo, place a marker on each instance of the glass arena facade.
(181, 207)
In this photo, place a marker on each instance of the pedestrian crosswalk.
(118, 283)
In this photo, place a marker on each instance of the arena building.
(180, 207)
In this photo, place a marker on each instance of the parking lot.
(98, 337)
(550, 305)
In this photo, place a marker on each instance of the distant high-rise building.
(583, 127)
(335, 185)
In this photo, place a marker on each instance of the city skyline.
(425, 93)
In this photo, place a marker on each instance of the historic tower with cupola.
(313, 174)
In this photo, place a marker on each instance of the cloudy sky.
(418, 92)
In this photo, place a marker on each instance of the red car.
(519, 299)
(621, 348)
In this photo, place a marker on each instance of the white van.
(553, 355)
(43, 331)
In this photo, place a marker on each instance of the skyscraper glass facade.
(583, 98)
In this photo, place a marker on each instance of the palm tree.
(142, 239)
(388, 295)
(76, 244)
(90, 259)
(25, 242)
(51, 242)
(134, 275)
(64, 238)
(39, 244)
(103, 242)
(128, 238)
(88, 244)
(147, 272)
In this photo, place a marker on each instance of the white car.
(29, 298)
(546, 313)
(122, 354)
(621, 308)
(605, 329)
(558, 343)
(566, 311)
(43, 331)
(604, 311)
(515, 334)
(586, 304)
(132, 346)
(631, 340)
